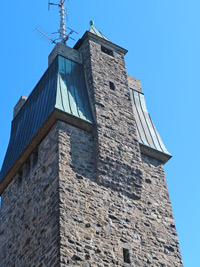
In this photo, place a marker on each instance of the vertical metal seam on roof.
(155, 132)
(139, 134)
(68, 90)
(140, 120)
(80, 95)
(75, 90)
(60, 89)
(146, 121)
(164, 149)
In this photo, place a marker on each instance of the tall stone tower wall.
(29, 214)
(118, 161)
(92, 198)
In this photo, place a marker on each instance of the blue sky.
(163, 40)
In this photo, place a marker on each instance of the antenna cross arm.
(53, 41)
(54, 4)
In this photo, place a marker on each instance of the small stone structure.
(88, 196)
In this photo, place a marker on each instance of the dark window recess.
(19, 177)
(126, 255)
(112, 86)
(107, 51)
(35, 158)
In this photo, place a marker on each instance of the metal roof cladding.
(147, 133)
(63, 88)
(95, 31)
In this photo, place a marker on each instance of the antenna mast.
(63, 12)
(62, 31)
(62, 21)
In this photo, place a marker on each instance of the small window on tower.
(107, 51)
(112, 86)
(35, 158)
(19, 177)
(126, 255)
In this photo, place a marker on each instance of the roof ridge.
(97, 32)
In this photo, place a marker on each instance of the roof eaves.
(155, 154)
(93, 36)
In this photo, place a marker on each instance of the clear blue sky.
(163, 40)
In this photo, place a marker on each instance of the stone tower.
(82, 183)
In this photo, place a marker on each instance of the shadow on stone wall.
(116, 175)
(153, 162)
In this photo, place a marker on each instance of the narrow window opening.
(35, 158)
(26, 170)
(112, 86)
(107, 51)
(19, 177)
(126, 255)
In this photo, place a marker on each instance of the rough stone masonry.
(91, 198)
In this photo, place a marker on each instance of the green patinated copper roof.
(63, 88)
(146, 130)
(71, 94)
(97, 32)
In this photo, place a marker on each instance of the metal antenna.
(63, 13)
(53, 41)
(62, 31)
(62, 20)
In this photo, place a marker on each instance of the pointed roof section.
(95, 31)
(96, 35)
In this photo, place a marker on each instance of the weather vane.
(63, 37)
